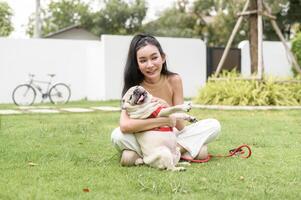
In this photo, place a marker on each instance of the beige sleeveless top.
(162, 89)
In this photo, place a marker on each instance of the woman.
(146, 66)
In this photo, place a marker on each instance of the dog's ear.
(122, 104)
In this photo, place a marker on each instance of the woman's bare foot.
(182, 150)
(203, 154)
(129, 158)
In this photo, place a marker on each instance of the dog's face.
(136, 95)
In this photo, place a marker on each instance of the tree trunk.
(37, 27)
(253, 36)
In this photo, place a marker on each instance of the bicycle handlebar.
(33, 75)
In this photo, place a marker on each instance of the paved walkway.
(219, 107)
(50, 110)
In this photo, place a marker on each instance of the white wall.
(275, 58)
(93, 69)
(188, 58)
(66, 58)
(95, 88)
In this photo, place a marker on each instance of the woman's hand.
(172, 121)
(128, 125)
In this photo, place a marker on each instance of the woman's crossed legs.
(192, 140)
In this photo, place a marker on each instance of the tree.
(173, 23)
(293, 15)
(219, 18)
(176, 21)
(287, 13)
(5, 19)
(119, 17)
(223, 14)
(61, 14)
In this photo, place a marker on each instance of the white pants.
(192, 137)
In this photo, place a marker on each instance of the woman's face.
(150, 62)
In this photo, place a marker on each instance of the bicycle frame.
(34, 84)
(25, 94)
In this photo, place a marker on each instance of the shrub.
(296, 49)
(233, 91)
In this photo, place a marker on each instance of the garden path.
(50, 110)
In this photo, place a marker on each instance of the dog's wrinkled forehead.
(138, 90)
(135, 90)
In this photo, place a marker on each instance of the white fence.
(93, 69)
(276, 60)
(69, 60)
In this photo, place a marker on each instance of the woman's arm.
(128, 125)
(176, 83)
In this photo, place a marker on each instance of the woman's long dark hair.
(132, 75)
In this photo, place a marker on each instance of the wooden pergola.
(256, 10)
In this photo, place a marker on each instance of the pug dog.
(158, 146)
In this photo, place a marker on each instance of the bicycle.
(25, 94)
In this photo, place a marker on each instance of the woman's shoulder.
(174, 79)
(175, 82)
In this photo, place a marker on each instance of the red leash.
(239, 151)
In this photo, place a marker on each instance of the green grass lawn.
(57, 156)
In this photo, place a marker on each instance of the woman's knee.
(116, 135)
(215, 129)
(215, 125)
(118, 139)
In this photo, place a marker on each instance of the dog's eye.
(131, 97)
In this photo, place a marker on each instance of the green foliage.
(119, 17)
(116, 17)
(296, 48)
(212, 21)
(232, 91)
(173, 22)
(219, 18)
(5, 19)
(61, 14)
(220, 29)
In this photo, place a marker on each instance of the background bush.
(296, 48)
(249, 92)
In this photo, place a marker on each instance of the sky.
(22, 9)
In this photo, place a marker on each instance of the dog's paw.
(189, 118)
(184, 163)
(178, 169)
(187, 107)
(139, 161)
(192, 119)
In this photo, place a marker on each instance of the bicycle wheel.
(59, 93)
(24, 95)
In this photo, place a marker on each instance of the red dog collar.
(156, 112)
(163, 129)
